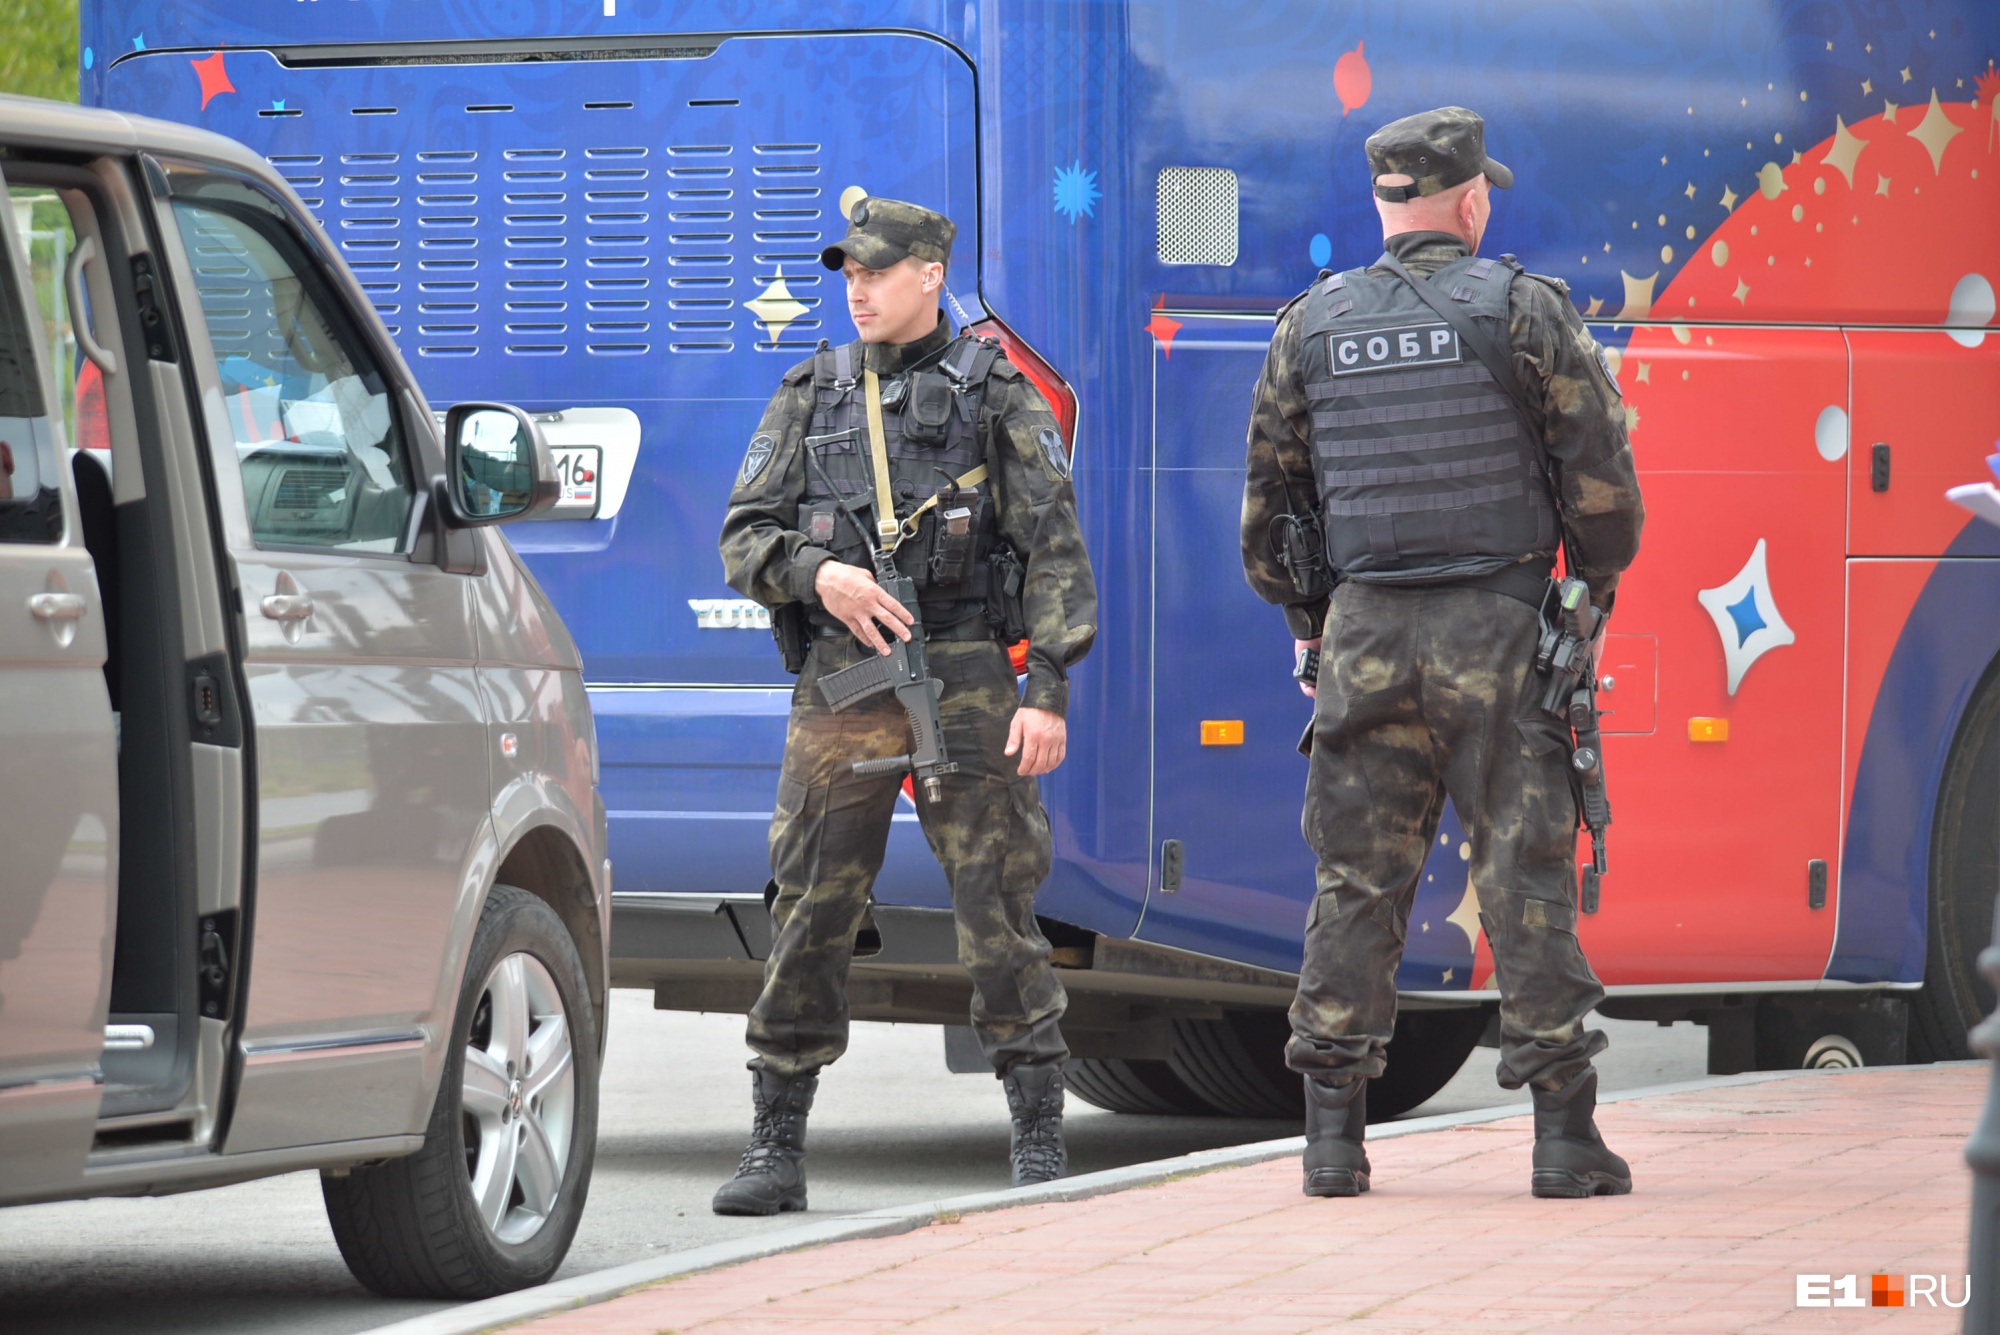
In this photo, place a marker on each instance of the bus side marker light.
(1222, 732)
(1708, 729)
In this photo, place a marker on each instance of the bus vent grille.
(614, 250)
(1198, 207)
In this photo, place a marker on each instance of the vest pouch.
(826, 525)
(954, 533)
(927, 409)
(1005, 611)
(791, 629)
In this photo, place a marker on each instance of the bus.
(1781, 221)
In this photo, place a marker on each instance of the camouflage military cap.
(1436, 150)
(882, 231)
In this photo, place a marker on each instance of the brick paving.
(1739, 1190)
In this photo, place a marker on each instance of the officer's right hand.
(1299, 647)
(852, 594)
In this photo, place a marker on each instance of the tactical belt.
(1524, 580)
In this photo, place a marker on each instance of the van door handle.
(58, 606)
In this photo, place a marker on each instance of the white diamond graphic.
(1746, 617)
(775, 308)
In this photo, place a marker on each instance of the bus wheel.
(1147, 1088)
(1965, 867)
(1237, 1063)
(1430, 1048)
(1235, 1066)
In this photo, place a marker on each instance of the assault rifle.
(1567, 656)
(905, 669)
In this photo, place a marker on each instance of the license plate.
(578, 468)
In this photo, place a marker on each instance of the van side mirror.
(497, 465)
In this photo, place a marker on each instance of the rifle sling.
(888, 532)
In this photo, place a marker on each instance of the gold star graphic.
(1741, 293)
(1905, 72)
(1466, 916)
(1889, 110)
(1797, 157)
(1881, 187)
(1689, 192)
(1846, 149)
(1596, 305)
(1934, 131)
(1867, 87)
(1829, 46)
(1729, 198)
(1638, 296)
(775, 308)
(1645, 376)
(1631, 419)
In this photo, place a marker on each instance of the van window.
(30, 491)
(323, 457)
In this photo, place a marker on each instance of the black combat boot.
(1336, 1122)
(772, 1175)
(1571, 1159)
(1035, 1098)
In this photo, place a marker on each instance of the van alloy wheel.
(519, 1100)
(490, 1202)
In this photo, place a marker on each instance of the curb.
(603, 1285)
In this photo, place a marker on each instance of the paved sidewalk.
(1740, 1189)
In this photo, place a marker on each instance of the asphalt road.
(890, 1126)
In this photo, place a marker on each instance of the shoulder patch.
(1050, 441)
(756, 458)
(1604, 365)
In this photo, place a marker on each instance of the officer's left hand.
(1311, 689)
(1041, 739)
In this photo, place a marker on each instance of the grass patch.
(38, 59)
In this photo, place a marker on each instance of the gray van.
(302, 857)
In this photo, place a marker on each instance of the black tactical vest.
(930, 416)
(1427, 472)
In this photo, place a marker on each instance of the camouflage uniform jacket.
(1582, 424)
(766, 559)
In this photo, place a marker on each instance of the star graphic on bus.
(1163, 327)
(1076, 192)
(1746, 616)
(776, 308)
(214, 76)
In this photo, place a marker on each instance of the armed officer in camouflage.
(1444, 420)
(981, 528)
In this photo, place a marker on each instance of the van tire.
(409, 1227)
(1965, 861)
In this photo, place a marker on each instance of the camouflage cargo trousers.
(1426, 693)
(829, 834)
